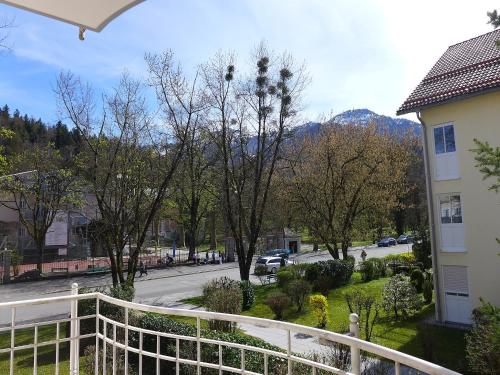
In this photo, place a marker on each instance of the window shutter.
(455, 279)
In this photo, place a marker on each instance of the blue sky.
(360, 54)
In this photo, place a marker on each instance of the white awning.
(87, 14)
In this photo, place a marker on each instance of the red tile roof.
(467, 68)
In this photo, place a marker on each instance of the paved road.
(160, 288)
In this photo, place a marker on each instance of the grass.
(23, 359)
(448, 344)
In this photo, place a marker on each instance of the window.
(444, 139)
(445, 156)
(450, 208)
(451, 220)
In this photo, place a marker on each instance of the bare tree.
(131, 161)
(40, 190)
(5, 25)
(249, 118)
(196, 182)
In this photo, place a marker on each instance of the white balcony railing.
(107, 344)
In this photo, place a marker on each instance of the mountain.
(365, 116)
(395, 126)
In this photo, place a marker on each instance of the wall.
(476, 117)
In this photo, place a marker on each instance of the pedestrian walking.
(363, 255)
(142, 269)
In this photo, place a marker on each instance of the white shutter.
(455, 279)
(447, 166)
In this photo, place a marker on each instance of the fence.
(83, 265)
(108, 344)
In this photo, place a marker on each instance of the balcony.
(117, 345)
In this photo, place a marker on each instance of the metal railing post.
(355, 353)
(73, 347)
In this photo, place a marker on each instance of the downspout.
(432, 224)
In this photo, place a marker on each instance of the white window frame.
(446, 163)
(447, 229)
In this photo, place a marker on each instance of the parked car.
(284, 253)
(386, 242)
(272, 264)
(30, 275)
(405, 238)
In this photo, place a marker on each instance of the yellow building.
(458, 101)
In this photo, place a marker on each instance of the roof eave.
(447, 101)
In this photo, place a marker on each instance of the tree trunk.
(182, 235)
(112, 261)
(334, 251)
(345, 247)
(213, 238)
(193, 231)
(39, 264)
(244, 266)
(132, 266)
(399, 221)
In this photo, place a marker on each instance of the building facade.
(459, 101)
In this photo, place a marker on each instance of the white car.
(272, 264)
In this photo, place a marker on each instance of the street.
(164, 287)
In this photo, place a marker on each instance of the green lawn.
(23, 359)
(404, 335)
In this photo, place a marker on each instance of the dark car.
(386, 242)
(283, 253)
(405, 238)
(30, 275)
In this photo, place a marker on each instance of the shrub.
(483, 341)
(298, 290)
(223, 295)
(400, 296)
(422, 248)
(402, 270)
(88, 307)
(299, 270)
(319, 306)
(278, 302)
(322, 285)
(367, 271)
(248, 294)
(351, 259)
(187, 349)
(427, 291)
(379, 267)
(260, 270)
(283, 278)
(417, 279)
(396, 260)
(372, 269)
(338, 272)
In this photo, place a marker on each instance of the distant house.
(282, 238)
(457, 101)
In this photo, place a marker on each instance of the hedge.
(209, 352)
(336, 272)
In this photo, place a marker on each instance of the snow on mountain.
(363, 117)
